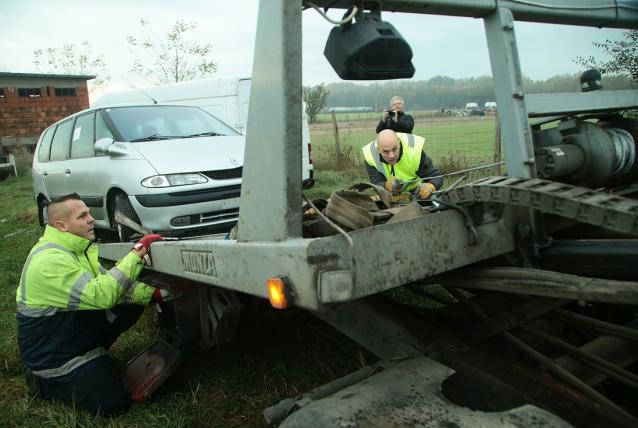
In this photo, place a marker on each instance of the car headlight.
(174, 180)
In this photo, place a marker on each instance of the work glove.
(393, 185)
(161, 295)
(145, 242)
(424, 190)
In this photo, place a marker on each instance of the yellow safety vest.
(62, 272)
(407, 166)
(61, 286)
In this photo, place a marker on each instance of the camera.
(394, 113)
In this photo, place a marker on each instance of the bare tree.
(315, 98)
(72, 59)
(174, 60)
(623, 53)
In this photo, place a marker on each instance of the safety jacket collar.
(72, 242)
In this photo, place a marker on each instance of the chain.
(588, 206)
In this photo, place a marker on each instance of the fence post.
(12, 162)
(337, 142)
(497, 146)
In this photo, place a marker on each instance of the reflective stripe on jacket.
(62, 296)
(407, 167)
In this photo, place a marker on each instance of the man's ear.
(60, 225)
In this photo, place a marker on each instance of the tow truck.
(540, 263)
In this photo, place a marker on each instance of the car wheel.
(43, 216)
(123, 205)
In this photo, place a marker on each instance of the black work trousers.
(94, 386)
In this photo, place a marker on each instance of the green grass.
(18, 233)
(329, 180)
(473, 138)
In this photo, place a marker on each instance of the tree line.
(449, 93)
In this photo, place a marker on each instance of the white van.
(225, 98)
(144, 161)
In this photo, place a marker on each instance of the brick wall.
(27, 117)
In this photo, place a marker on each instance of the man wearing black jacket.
(396, 119)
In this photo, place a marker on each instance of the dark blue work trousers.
(94, 386)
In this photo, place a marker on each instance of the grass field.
(453, 143)
(276, 354)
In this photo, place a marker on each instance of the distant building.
(30, 102)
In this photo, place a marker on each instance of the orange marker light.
(277, 293)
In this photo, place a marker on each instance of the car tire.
(122, 204)
(43, 217)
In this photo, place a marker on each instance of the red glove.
(145, 243)
(147, 240)
(162, 295)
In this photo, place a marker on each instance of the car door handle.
(67, 171)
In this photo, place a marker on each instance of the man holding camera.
(396, 119)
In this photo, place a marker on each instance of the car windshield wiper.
(203, 134)
(154, 137)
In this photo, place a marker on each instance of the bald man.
(398, 162)
(70, 310)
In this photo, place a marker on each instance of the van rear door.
(243, 99)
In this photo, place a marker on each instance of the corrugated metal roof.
(48, 76)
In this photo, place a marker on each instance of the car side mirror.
(102, 145)
(106, 146)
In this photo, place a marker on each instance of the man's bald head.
(388, 145)
(59, 210)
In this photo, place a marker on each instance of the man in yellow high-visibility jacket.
(398, 161)
(70, 310)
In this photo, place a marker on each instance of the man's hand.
(147, 240)
(393, 185)
(161, 295)
(385, 115)
(425, 190)
(143, 246)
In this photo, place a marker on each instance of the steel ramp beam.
(407, 394)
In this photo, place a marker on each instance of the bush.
(349, 158)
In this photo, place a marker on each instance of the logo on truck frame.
(199, 262)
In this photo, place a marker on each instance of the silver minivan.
(172, 169)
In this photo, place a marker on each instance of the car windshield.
(151, 123)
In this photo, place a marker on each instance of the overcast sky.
(445, 46)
